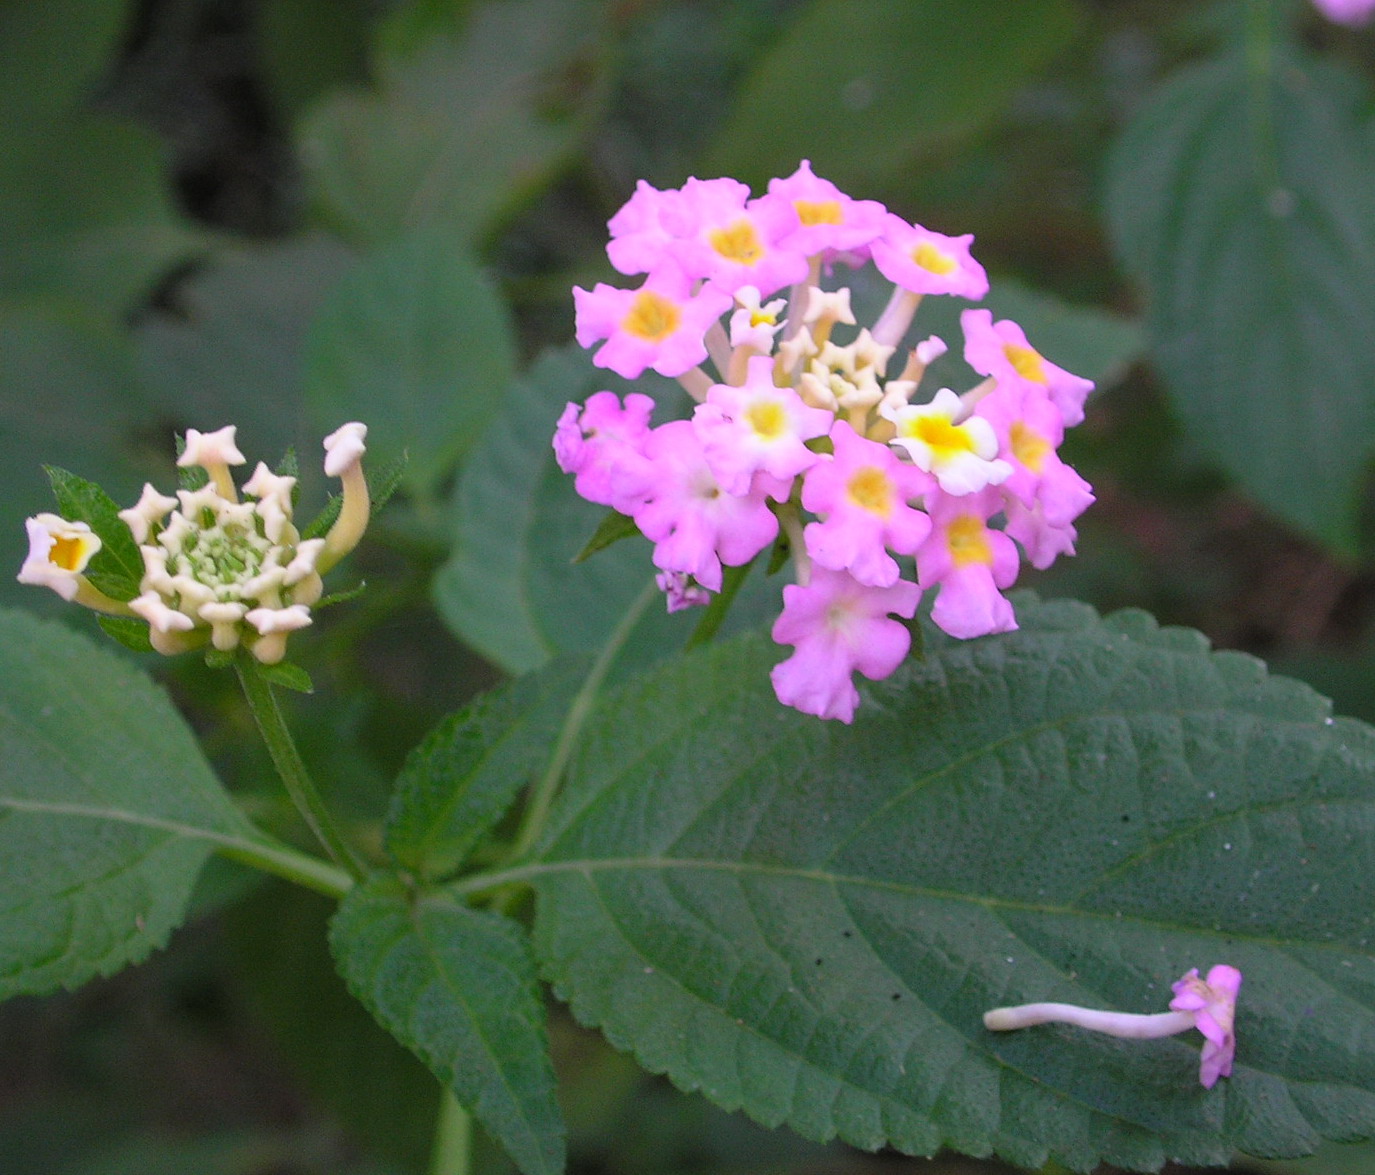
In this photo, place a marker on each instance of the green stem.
(283, 861)
(452, 1138)
(292, 769)
(732, 580)
(537, 809)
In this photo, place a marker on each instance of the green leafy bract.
(807, 920)
(1241, 197)
(107, 810)
(458, 986)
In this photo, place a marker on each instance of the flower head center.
(934, 260)
(967, 538)
(814, 212)
(1026, 362)
(652, 317)
(737, 242)
(1030, 448)
(872, 490)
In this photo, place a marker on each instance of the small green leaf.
(860, 87)
(288, 676)
(613, 527)
(107, 810)
(460, 781)
(807, 920)
(117, 568)
(415, 343)
(1241, 198)
(459, 988)
(385, 163)
(128, 631)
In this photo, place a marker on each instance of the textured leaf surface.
(807, 920)
(458, 986)
(107, 810)
(416, 343)
(862, 86)
(1241, 198)
(460, 781)
(457, 131)
(510, 589)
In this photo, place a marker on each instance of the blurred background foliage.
(288, 213)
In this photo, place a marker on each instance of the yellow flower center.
(652, 317)
(811, 212)
(871, 490)
(738, 243)
(1030, 448)
(933, 260)
(70, 554)
(940, 436)
(967, 538)
(767, 419)
(1026, 362)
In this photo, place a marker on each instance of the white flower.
(151, 508)
(211, 449)
(963, 454)
(344, 448)
(58, 553)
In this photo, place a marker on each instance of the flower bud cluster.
(217, 569)
(802, 430)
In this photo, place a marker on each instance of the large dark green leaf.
(1241, 197)
(458, 986)
(807, 920)
(460, 781)
(416, 343)
(55, 53)
(458, 130)
(860, 87)
(107, 810)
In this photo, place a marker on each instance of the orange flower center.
(739, 242)
(933, 260)
(871, 490)
(811, 212)
(967, 538)
(1026, 362)
(1030, 448)
(652, 317)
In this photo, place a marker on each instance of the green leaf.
(130, 632)
(417, 344)
(613, 527)
(231, 351)
(288, 676)
(1240, 197)
(107, 810)
(55, 53)
(460, 781)
(862, 87)
(807, 920)
(458, 986)
(88, 214)
(117, 568)
(458, 131)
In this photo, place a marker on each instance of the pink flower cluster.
(799, 433)
(1348, 12)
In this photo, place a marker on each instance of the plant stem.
(542, 796)
(732, 580)
(452, 1138)
(284, 861)
(287, 759)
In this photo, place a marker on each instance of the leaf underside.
(806, 920)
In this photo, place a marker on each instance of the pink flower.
(732, 242)
(680, 506)
(1213, 1003)
(838, 625)
(1348, 12)
(758, 426)
(1029, 429)
(1000, 349)
(661, 325)
(926, 262)
(969, 562)
(593, 442)
(864, 493)
(638, 231)
(825, 219)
